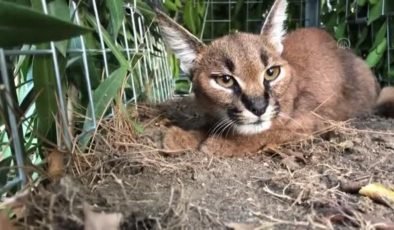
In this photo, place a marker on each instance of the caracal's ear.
(273, 27)
(185, 45)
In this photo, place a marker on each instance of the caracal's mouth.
(252, 128)
(246, 123)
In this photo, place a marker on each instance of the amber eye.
(225, 81)
(272, 73)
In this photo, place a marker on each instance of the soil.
(310, 185)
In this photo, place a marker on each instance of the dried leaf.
(101, 221)
(55, 165)
(352, 186)
(378, 193)
(384, 226)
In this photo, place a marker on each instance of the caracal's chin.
(253, 128)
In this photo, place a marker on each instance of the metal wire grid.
(390, 45)
(361, 19)
(220, 14)
(152, 65)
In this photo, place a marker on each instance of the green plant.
(365, 28)
(23, 25)
(23, 22)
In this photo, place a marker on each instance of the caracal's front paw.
(176, 140)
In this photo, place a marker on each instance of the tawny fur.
(385, 104)
(322, 82)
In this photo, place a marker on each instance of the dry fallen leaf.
(378, 192)
(101, 221)
(55, 165)
(352, 186)
(384, 226)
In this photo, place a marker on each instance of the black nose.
(256, 105)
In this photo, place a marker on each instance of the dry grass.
(302, 185)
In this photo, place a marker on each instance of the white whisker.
(229, 127)
(218, 126)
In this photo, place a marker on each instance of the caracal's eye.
(225, 81)
(272, 73)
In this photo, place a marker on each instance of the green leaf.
(116, 11)
(361, 2)
(107, 91)
(341, 30)
(178, 3)
(116, 51)
(380, 35)
(20, 2)
(182, 86)
(189, 16)
(20, 25)
(60, 9)
(374, 57)
(170, 5)
(44, 87)
(102, 97)
(375, 12)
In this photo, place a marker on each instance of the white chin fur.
(250, 129)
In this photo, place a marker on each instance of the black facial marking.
(264, 57)
(229, 64)
(234, 114)
(237, 90)
(267, 88)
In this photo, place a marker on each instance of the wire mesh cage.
(365, 27)
(224, 16)
(135, 58)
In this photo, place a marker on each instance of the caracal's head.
(238, 78)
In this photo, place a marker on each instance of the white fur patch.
(273, 26)
(180, 46)
(250, 128)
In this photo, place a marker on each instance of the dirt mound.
(307, 185)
